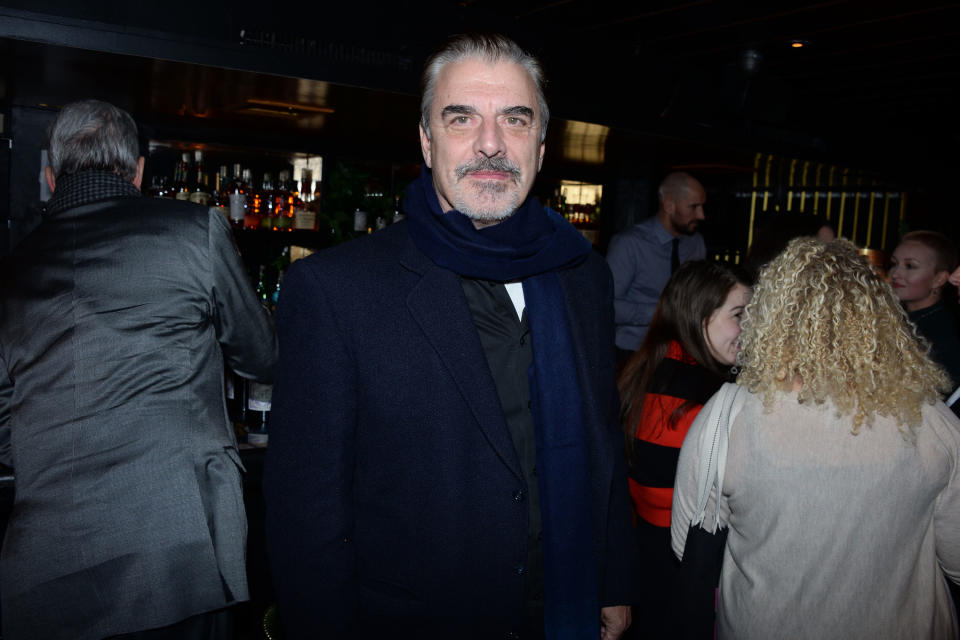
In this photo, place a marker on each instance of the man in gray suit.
(116, 315)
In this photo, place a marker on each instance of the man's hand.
(614, 621)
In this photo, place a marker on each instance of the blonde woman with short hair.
(842, 482)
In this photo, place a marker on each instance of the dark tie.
(675, 255)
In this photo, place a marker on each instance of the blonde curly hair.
(820, 314)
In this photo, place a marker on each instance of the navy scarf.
(533, 245)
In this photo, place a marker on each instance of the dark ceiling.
(875, 82)
(872, 77)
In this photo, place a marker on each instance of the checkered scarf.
(84, 187)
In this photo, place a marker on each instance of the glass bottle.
(283, 203)
(180, 189)
(359, 222)
(275, 295)
(397, 211)
(251, 207)
(262, 293)
(258, 411)
(200, 191)
(304, 213)
(235, 196)
(264, 202)
(218, 196)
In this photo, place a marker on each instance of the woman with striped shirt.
(687, 354)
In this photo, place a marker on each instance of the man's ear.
(138, 179)
(425, 147)
(51, 179)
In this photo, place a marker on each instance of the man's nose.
(489, 140)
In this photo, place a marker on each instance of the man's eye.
(461, 119)
(515, 121)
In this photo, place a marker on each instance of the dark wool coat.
(394, 494)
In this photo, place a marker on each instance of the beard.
(488, 202)
(687, 229)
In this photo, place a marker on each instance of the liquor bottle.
(236, 192)
(397, 211)
(264, 203)
(294, 201)
(359, 222)
(306, 185)
(305, 212)
(200, 190)
(158, 187)
(251, 217)
(180, 189)
(283, 203)
(235, 390)
(275, 295)
(218, 195)
(262, 292)
(258, 413)
(222, 180)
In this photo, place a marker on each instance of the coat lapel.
(438, 305)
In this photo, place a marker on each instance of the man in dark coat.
(116, 314)
(445, 458)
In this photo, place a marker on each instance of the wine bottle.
(200, 190)
(397, 211)
(258, 413)
(283, 203)
(180, 189)
(251, 217)
(236, 197)
(263, 202)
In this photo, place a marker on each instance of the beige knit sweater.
(832, 535)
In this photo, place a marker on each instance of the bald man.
(643, 257)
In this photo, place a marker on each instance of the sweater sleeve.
(688, 478)
(685, 484)
(946, 517)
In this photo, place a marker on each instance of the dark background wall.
(705, 85)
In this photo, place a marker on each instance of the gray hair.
(93, 135)
(492, 48)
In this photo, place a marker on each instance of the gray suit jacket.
(115, 319)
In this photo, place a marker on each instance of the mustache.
(500, 164)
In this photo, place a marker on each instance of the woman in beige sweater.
(842, 483)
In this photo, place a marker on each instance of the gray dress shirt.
(639, 259)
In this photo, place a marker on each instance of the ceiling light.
(281, 108)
